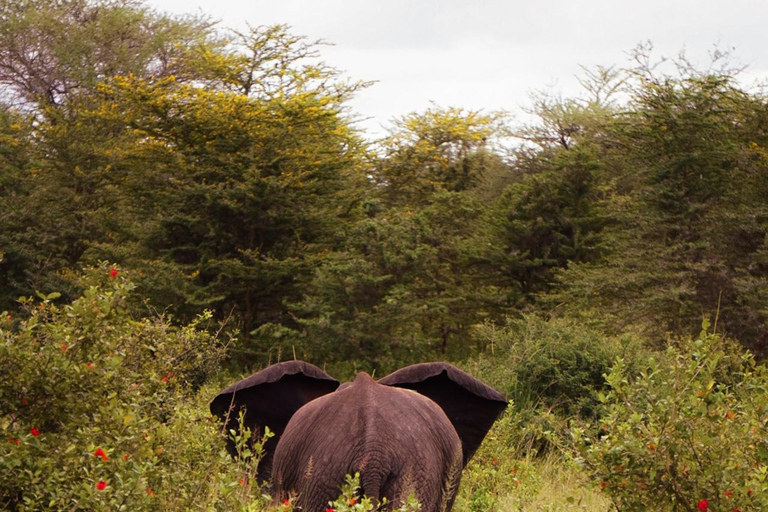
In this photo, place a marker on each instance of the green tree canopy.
(688, 236)
(438, 150)
(53, 50)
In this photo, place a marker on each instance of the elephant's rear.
(420, 458)
(432, 478)
(399, 441)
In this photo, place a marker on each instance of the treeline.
(223, 172)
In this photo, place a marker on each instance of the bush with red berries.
(688, 433)
(100, 410)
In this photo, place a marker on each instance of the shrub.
(498, 469)
(502, 476)
(350, 500)
(555, 364)
(688, 432)
(102, 411)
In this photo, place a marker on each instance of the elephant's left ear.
(471, 406)
(270, 398)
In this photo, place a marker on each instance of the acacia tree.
(232, 193)
(52, 50)
(563, 170)
(688, 237)
(544, 222)
(439, 150)
(400, 289)
(53, 55)
(403, 284)
(216, 164)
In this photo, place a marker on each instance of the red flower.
(112, 273)
(352, 501)
(101, 485)
(24, 401)
(329, 510)
(34, 432)
(125, 457)
(703, 506)
(150, 491)
(100, 453)
(64, 347)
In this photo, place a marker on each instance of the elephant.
(411, 432)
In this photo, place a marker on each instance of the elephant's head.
(397, 439)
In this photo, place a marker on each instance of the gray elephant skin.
(412, 431)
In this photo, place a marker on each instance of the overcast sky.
(490, 54)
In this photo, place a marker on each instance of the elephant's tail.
(389, 485)
(371, 485)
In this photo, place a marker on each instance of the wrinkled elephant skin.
(411, 432)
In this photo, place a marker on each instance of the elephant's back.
(400, 442)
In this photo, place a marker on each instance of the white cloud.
(490, 53)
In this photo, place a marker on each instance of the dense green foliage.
(555, 365)
(222, 172)
(688, 223)
(103, 409)
(691, 426)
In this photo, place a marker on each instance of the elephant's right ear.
(270, 398)
(470, 405)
